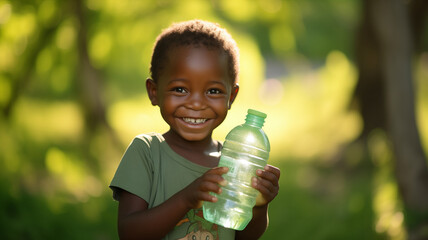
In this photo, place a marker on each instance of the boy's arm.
(136, 221)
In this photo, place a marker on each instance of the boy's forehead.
(198, 58)
(196, 49)
(203, 59)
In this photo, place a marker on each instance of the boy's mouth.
(194, 120)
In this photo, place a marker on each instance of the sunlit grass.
(72, 175)
(49, 121)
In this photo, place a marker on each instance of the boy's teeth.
(194, 120)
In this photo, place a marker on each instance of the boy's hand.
(198, 190)
(267, 184)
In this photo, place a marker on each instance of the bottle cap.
(255, 118)
(257, 113)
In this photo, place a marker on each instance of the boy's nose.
(196, 102)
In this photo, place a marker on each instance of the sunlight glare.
(250, 139)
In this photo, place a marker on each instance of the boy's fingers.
(210, 187)
(269, 176)
(276, 171)
(266, 189)
(261, 184)
(219, 170)
(215, 178)
(204, 196)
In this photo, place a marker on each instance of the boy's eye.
(179, 90)
(215, 91)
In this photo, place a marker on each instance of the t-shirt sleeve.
(134, 173)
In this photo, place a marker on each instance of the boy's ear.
(152, 91)
(233, 95)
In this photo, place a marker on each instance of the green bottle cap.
(255, 118)
(257, 113)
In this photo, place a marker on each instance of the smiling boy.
(163, 179)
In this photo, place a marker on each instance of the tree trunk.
(88, 78)
(90, 87)
(370, 88)
(418, 11)
(392, 29)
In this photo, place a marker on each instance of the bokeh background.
(72, 97)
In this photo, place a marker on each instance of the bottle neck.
(254, 121)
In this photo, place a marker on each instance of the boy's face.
(194, 92)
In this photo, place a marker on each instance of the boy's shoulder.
(148, 138)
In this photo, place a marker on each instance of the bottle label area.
(241, 168)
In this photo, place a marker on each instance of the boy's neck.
(204, 152)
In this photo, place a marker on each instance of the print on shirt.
(199, 228)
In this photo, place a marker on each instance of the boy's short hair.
(196, 33)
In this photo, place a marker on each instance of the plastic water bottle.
(245, 150)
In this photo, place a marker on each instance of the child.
(162, 180)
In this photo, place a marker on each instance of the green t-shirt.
(151, 170)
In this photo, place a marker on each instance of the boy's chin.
(194, 137)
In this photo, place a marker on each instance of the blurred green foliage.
(296, 65)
